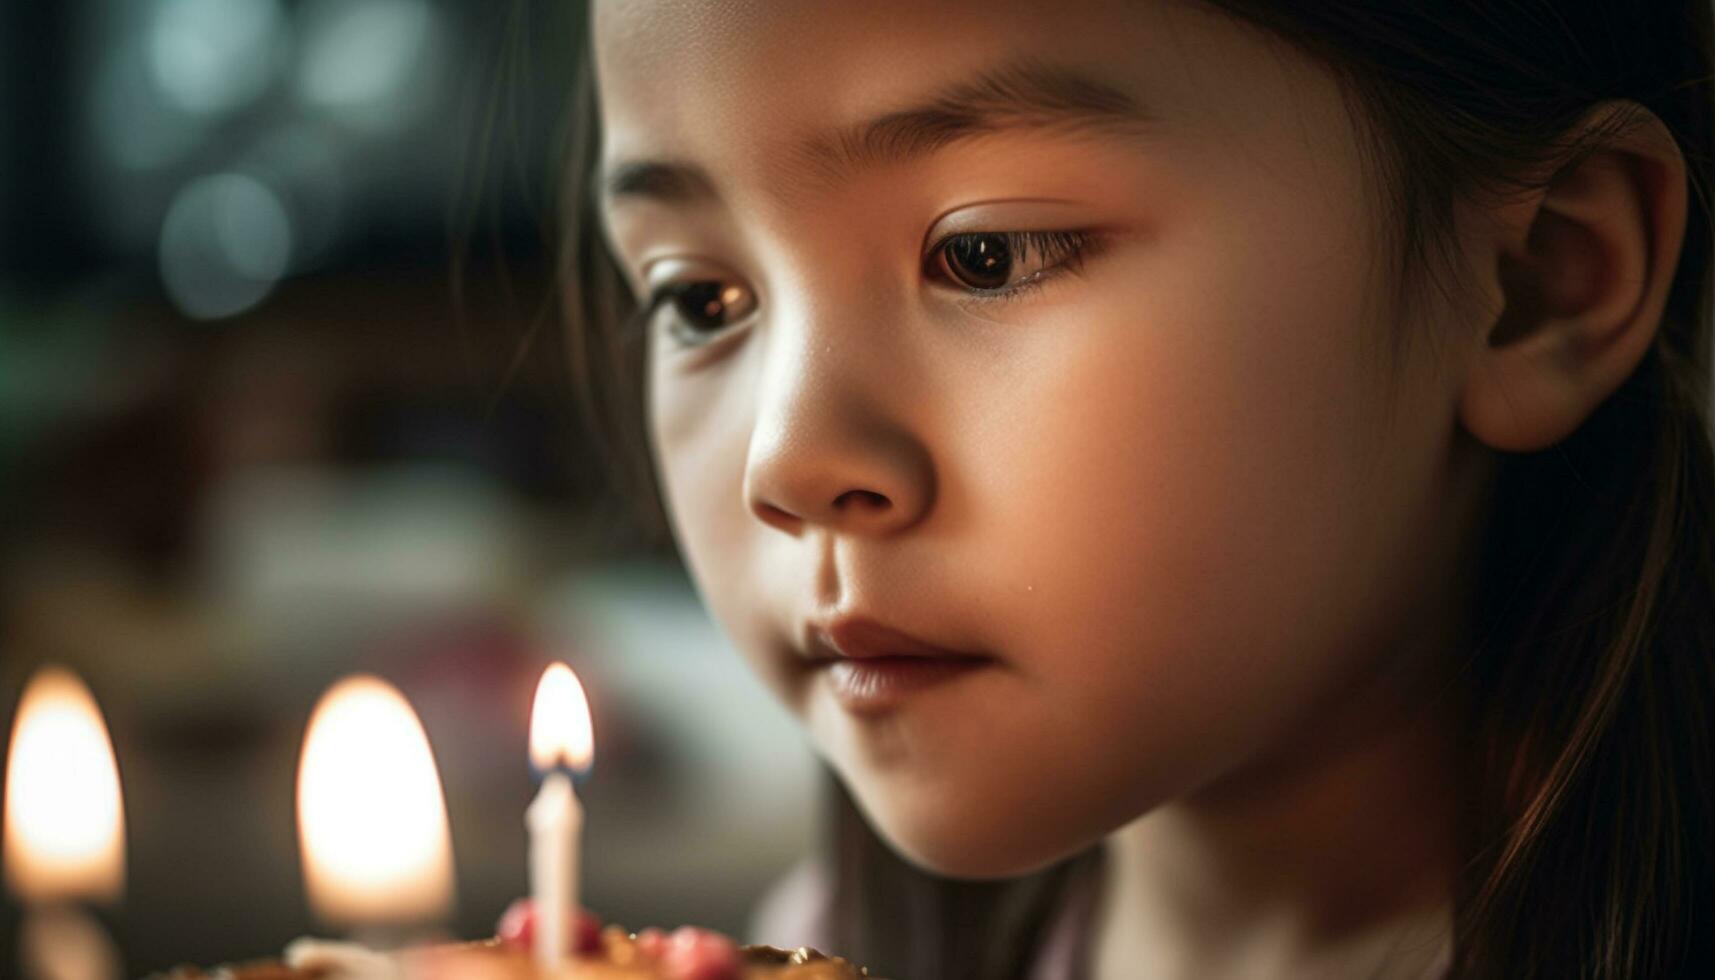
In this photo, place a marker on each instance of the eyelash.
(1066, 251)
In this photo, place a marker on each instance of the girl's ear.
(1584, 269)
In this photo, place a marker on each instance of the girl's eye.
(701, 308)
(986, 265)
(994, 264)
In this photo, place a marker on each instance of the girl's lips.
(872, 667)
(862, 638)
(871, 685)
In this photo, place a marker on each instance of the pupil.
(701, 305)
(981, 261)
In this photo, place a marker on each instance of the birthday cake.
(602, 953)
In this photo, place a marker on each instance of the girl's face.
(1078, 299)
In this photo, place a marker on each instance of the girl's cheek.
(700, 428)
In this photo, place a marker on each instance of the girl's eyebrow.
(1021, 94)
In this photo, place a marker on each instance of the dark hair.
(1592, 741)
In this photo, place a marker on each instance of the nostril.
(775, 515)
(867, 498)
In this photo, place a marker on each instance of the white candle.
(372, 820)
(556, 822)
(64, 829)
(66, 943)
(560, 741)
(372, 825)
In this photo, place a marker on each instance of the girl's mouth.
(871, 685)
(872, 667)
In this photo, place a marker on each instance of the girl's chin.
(972, 842)
(972, 858)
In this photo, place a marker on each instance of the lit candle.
(562, 746)
(372, 823)
(64, 828)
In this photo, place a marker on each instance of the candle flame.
(560, 732)
(65, 825)
(371, 818)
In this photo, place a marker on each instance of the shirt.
(795, 913)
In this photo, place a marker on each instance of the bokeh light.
(368, 62)
(214, 56)
(225, 242)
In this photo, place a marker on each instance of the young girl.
(1225, 486)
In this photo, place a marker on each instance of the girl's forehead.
(807, 33)
(699, 67)
(741, 88)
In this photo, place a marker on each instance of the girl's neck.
(1336, 861)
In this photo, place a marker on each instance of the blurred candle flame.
(371, 818)
(560, 732)
(65, 823)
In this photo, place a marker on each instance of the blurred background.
(266, 268)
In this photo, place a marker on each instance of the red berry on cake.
(700, 954)
(517, 927)
(652, 943)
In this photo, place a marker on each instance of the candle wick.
(579, 775)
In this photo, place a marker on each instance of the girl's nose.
(832, 448)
